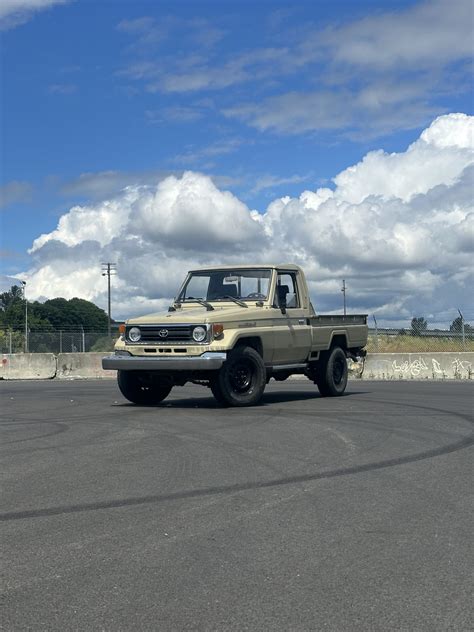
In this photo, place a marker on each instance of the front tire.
(217, 392)
(242, 379)
(140, 388)
(331, 375)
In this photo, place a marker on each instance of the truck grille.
(163, 334)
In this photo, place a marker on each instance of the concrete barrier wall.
(82, 365)
(377, 366)
(419, 366)
(28, 366)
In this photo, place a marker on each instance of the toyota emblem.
(163, 333)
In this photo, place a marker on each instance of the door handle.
(302, 321)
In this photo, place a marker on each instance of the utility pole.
(376, 334)
(343, 290)
(108, 270)
(463, 331)
(26, 315)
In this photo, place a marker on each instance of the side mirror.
(283, 304)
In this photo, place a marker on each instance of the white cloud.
(456, 130)
(99, 184)
(365, 77)
(429, 33)
(397, 227)
(273, 182)
(417, 170)
(192, 209)
(100, 223)
(219, 148)
(150, 33)
(16, 12)
(359, 111)
(426, 35)
(102, 184)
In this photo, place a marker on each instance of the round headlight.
(199, 334)
(134, 334)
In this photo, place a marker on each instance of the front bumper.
(209, 361)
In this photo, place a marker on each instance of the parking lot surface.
(304, 513)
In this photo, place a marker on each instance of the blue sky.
(268, 99)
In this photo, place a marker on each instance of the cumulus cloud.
(397, 227)
(437, 157)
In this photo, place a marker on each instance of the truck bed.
(332, 319)
(325, 326)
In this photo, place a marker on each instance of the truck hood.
(220, 314)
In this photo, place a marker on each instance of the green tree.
(418, 325)
(7, 299)
(89, 313)
(456, 326)
(56, 313)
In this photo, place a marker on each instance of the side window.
(286, 285)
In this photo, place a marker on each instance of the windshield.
(225, 285)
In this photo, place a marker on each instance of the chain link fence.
(55, 341)
(381, 340)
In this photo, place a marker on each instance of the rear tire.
(242, 378)
(331, 374)
(140, 387)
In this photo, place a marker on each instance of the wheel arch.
(250, 341)
(339, 339)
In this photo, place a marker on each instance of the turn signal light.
(217, 330)
(122, 329)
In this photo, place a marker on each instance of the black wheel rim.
(338, 371)
(241, 376)
(144, 383)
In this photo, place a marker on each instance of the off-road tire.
(139, 387)
(217, 392)
(242, 379)
(331, 374)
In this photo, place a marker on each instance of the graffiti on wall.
(422, 366)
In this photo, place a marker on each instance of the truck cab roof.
(248, 266)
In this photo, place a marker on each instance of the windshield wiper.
(232, 298)
(207, 305)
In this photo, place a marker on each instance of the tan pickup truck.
(232, 328)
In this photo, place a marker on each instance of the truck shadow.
(208, 402)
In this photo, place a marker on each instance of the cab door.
(292, 332)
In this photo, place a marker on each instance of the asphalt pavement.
(305, 513)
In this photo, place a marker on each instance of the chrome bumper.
(208, 361)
